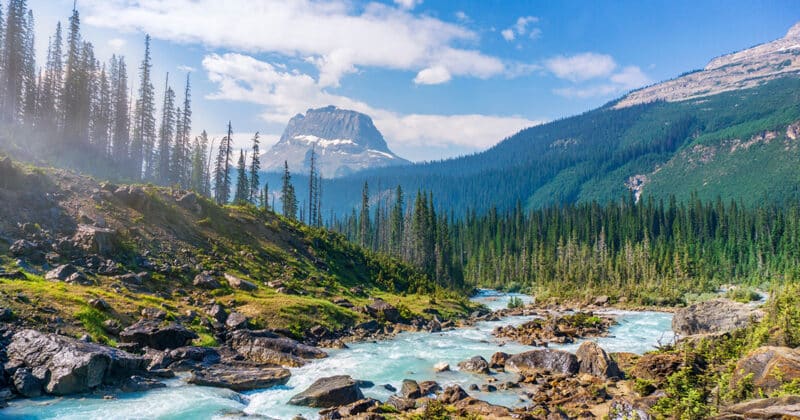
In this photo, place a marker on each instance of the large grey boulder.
(714, 317)
(240, 378)
(379, 308)
(270, 348)
(71, 366)
(767, 368)
(595, 361)
(333, 391)
(238, 283)
(476, 364)
(95, 239)
(555, 361)
(152, 333)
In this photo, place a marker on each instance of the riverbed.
(405, 356)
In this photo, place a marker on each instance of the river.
(407, 355)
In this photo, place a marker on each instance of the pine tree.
(30, 86)
(312, 180)
(287, 194)
(74, 109)
(396, 235)
(265, 197)
(14, 60)
(222, 176)
(144, 125)
(181, 151)
(255, 167)
(101, 116)
(364, 222)
(50, 89)
(165, 135)
(120, 127)
(242, 195)
(199, 151)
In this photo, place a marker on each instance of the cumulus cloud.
(336, 36)
(284, 93)
(186, 69)
(433, 76)
(580, 67)
(116, 44)
(520, 28)
(408, 4)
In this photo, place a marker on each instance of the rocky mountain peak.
(794, 32)
(344, 141)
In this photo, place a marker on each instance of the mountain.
(729, 131)
(345, 142)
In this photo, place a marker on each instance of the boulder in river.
(498, 360)
(453, 394)
(714, 317)
(240, 378)
(475, 364)
(555, 361)
(595, 361)
(72, 366)
(152, 333)
(768, 368)
(328, 392)
(410, 389)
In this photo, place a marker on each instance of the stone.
(267, 347)
(401, 404)
(154, 313)
(601, 300)
(27, 384)
(112, 326)
(61, 273)
(714, 317)
(595, 361)
(95, 240)
(429, 387)
(657, 367)
(79, 278)
(205, 280)
(441, 367)
(237, 283)
(6, 315)
(381, 309)
(410, 389)
(548, 360)
(71, 366)
(369, 326)
(236, 321)
(217, 312)
(151, 333)
(140, 384)
(22, 248)
(768, 368)
(350, 410)
(240, 379)
(453, 394)
(785, 407)
(99, 304)
(476, 364)
(327, 392)
(498, 360)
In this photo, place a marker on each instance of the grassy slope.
(255, 245)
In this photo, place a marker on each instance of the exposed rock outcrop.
(333, 391)
(713, 317)
(239, 378)
(555, 361)
(768, 368)
(595, 361)
(267, 347)
(152, 333)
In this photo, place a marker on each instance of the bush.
(515, 302)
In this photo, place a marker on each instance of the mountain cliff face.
(740, 70)
(344, 141)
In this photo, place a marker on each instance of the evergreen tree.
(288, 197)
(255, 167)
(396, 234)
(242, 195)
(165, 135)
(120, 127)
(101, 116)
(50, 89)
(14, 60)
(312, 180)
(199, 151)
(180, 154)
(265, 197)
(30, 96)
(144, 125)
(364, 222)
(222, 176)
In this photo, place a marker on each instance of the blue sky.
(440, 78)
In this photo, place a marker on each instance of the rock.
(112, 326)
(237, 283)
(22, 248)
(453, 394)
(379, 308)
(205, 280)
(154, 313)
(240, 378)
(217, 312)
(267, 347)
(190, 202)
(410, 389)
(140, 384)
(429, 387)
(400, 403)
(441, 367)
(99, 304)
(333, 391)
(79, 278)
(350, 410)
(498, 360)
(481, 409)
(476, 364)
(488, 388)
(343, 303)
(95, 240)
(786, 407)
(369, 326)
(625, 360)
(236, 321)
(595, 361)
(768, 368)
(714, 317)
(625, 408)
(151, 333)
(27, 384)
(12, 275)
(601, 300)
(657, 367)
(555, 361)
(61, 273)
(319, 331)
(6, 315)
(71, 366)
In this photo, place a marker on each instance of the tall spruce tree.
(242, 195)
(199, 151)
(165, 135)
(101, 116)
(181, 159)
(144, 125)
(30, 96)
(50, 89)
(312, 180)
(120, 127)
(288, 197)
(14, 60)
(222, 175)
(255, 167)
(363, 218)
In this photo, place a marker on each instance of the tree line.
(648, 251)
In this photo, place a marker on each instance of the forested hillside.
(709, 146)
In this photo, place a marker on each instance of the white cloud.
(336, 36)
(433, 76)
(520, 28)
(408, 4)
(630, 77)
(462, 16)
(285, 93)
(581, 67)
(116, 44)
(186, 69)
